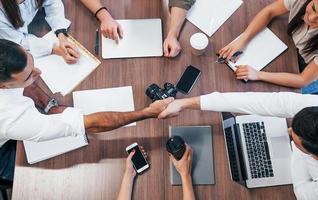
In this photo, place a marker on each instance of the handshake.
(168, 108)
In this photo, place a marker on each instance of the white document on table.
(209, 15)
(142, 38)
(261, 50)
(39, 151)
(62, 77)
(118, 99)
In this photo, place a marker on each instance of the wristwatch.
(52, 103)
(63, 30)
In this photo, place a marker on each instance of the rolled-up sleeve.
(184, 4)
(34, 126)
(55, 16)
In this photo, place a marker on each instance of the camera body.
(154, 92)
(176, 146)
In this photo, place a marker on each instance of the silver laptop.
(258, 149)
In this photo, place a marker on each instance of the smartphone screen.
(188, 79)
(138, 159)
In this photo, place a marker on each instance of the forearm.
(126, 188)
(187, 187)
(177, 18)
(284, 79)
(93, 6)
(106, 121)
(259, 22)
(190, 103)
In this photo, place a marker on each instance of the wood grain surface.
(95, 171)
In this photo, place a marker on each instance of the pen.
(97, 42)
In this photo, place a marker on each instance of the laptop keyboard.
(257, 150)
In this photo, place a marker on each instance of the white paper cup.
(199, 42)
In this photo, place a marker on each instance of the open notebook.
(142, 38)
(62, 77)
(260, 51)
(118, 99)
(209, 15)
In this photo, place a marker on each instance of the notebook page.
(118, 99)
(261, 50)
(142, 38)
(209, 15)
(62, 77)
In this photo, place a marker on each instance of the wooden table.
(95, 171)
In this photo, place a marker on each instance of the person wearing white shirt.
(304, 130)
(20, 120)
(16, 15)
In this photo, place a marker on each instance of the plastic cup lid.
(199, 41)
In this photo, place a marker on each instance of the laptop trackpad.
(279, 147)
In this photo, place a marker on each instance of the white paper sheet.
(111, 99)
(261, 50)
(60, 76)
(142, 38)
(39, 151)
(209, 15)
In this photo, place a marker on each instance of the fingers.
(69, 59)
(166, 49)
(143, 151)
(132, 153)
(120, 31)
(73, 53)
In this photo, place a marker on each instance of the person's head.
(11, 7)
(16, 66)
(307, 14)
(305, 131)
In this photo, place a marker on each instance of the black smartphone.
(139, 161)
(188, 79)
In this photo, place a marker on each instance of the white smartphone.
(139, 161)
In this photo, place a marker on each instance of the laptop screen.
(234, 150)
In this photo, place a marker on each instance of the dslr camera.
(154, 92)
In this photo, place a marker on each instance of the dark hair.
(305, 125)
(297, 22)
(13, 59)
(11, 8)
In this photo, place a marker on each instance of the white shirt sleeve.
(305, 187)
(36, 46)
(282, 104)
(55, 17)
(34, 126)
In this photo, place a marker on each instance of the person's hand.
(157, 107)
(68, 50)
(172, 110)
(171, 46)
(228, 51)
(246, 72)
(110, 28)
(184, 165)
(129, 169)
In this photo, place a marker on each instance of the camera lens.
(151, 91)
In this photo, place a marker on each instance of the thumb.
(166, 49)
(132, 153)
(163, 114)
